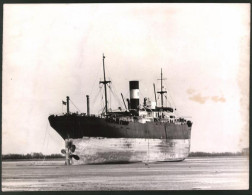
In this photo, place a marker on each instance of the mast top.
(162, 92)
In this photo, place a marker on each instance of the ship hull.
(99, 140)
(83, 126)
(95, 150)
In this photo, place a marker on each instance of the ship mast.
(104, 82)
(162, 92)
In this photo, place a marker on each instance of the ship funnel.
(134, 94)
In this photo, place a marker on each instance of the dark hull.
(74, 127)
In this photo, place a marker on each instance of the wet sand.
(215, 173)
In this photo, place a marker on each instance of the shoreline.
(49, 159)
(62, 159)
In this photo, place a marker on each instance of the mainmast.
(162, 92)
(104, 82)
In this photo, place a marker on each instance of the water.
(215, 173)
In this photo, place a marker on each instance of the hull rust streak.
(112, 150)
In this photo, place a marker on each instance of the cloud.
(218, 99)
(190, 91)
(202, 99)
(198, 98)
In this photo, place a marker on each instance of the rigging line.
(167, 101)
(170, 94)
(141, 91)
(115, 91)
(94, 82)
(166, 96)
(110, 84)
(127, 94)
(46, 148)
(47, 144)
(47, 140)
(118, 99)
(44, 136)
(94, 100)
(52, 138)
(141, 94)
(108, 73)
(172, 100)
(102, 103)
(115, 96)
(75, 106)
(100, 110)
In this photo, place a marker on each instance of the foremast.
(105, 82)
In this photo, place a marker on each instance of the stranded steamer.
(140, 133)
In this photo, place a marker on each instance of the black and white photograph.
(125, 96)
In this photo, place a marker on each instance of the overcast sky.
(54, 50)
